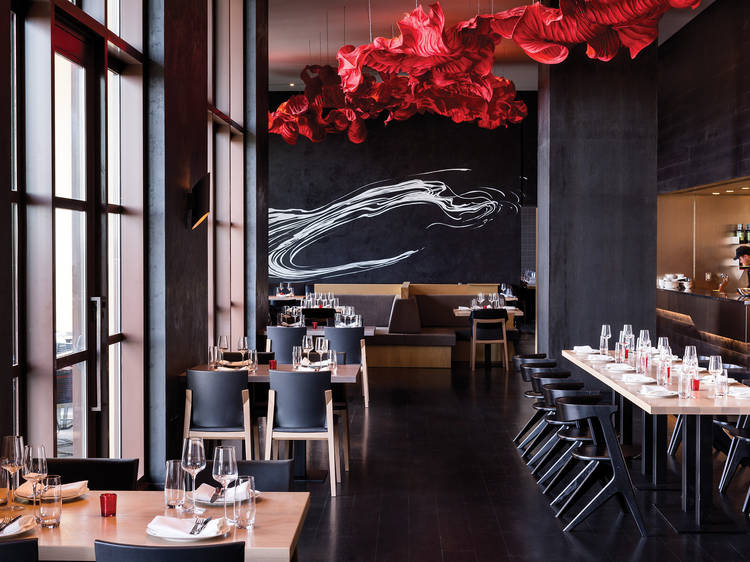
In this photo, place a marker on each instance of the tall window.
(226, 138)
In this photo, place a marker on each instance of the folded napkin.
(597, 357)
(24, 523)
(656, 390)
(740, 392)
(222, 368)
(72, 490)
(174, 528)
(583, 349)
(619, 367)
(633, 378)
(709, 379)
(205, 492)
(463, 308)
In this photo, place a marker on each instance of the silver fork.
(200, 522)
(5, 522)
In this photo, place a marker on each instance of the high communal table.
(696, 512)
(278, 522)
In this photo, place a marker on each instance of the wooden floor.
(434, 476)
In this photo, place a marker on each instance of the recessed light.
(730, 190)
(291, 84)
(746, 188)
(716, 193)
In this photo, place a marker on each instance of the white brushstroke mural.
(292, 231)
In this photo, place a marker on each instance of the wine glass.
(223, 343)
(480, 299)
(604, 339)
(663, 344)
(12, 461)
(243, 347)
(715, 366)
(627, 330)
(307, 345)
(321, 347)
(225, 470)
(690, 356)
(34, 468)
(193, 461)
(645, 338)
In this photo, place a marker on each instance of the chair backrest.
(114, 552)
(102, 474)
(519, 360)
(300, 399)
(526, 367)
(404, 317)
(557, 390)
(217, 398)
(540, 379)
(270, 476)
(489, 314)
(283, 338)
(347, 340)
(320, 315)
(264, 357)
(26, 550)
(583, 407)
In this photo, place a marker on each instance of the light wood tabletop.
(702, 404)
(278, 522)
(343, 374)
(465, 312)
(285, 297)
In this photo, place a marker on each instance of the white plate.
(221, 531)
(664, 394)
(637, 379)
(619, 367)
(28, 499)
(594, 357)
(220, 501)
(27, 523)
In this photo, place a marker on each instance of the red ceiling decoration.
(428, 68)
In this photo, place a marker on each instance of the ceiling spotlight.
(746, 188)
(291, 84)
(730, 190)
(716, 193)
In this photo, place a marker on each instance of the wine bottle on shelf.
(747, 234)
(740, 234)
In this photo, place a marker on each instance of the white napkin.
(619, 367)
(740, 392)
(633, 378)
(72, 490)
(25, 522)
(583, 349)
(463, 308)
(656, 391)
(709, 379)
(205, 491)
(602, 358)
(174, 528)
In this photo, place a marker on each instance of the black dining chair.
(323, 316)
(26, 550)
(488, 327)
(519, 360)
(544, 428)
(102, 474)
(603, 455)
(217, 406)
(300, 408)
(265, 357)
(282, 340)
(270, 476)
(115, 552)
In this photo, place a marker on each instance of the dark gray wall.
(310, 175)
(704, 99)
(596, 198)
(177, 154)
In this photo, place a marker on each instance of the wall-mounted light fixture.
(198, 202)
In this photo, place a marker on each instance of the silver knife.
(218, 492)
(16, 518)
(203, 526)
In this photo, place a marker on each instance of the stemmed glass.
(480, 299)
(12, 462)
(307, 345)
(225, 470)
(321, 347)
(34, 469)
(193, 461)
(223, 345)
(243, 347)
(604, 339)
(645, 338)
(715, 367)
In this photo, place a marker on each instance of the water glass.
(296, 356)
(603, 346)
(473, 303)
(683, 384)
(174, 485)
(50, 501)
(619, 352)
(244, 502)
(721, 384)
(337, 320)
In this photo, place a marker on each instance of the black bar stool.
(539, 377)
(526, 376)
(519, 360)
(604, 452)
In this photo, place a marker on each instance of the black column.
(256, 165)
(177, 157)
(596, 198)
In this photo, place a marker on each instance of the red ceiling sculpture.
(428, 68)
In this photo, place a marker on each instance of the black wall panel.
(482, 241)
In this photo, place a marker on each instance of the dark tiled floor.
(434, 476)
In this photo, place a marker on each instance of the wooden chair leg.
(332, 472)
(345, 439)
(275, 450)
(337, 452)
(365, 378)
(256, 440)
(269, 422)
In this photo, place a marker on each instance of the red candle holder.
(108, 504)
(272, 364)
(315, 325)
(695, 384)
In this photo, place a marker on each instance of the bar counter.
(716, 323)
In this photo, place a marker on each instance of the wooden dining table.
(343, 374)
(696, 512)
(278, 523)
